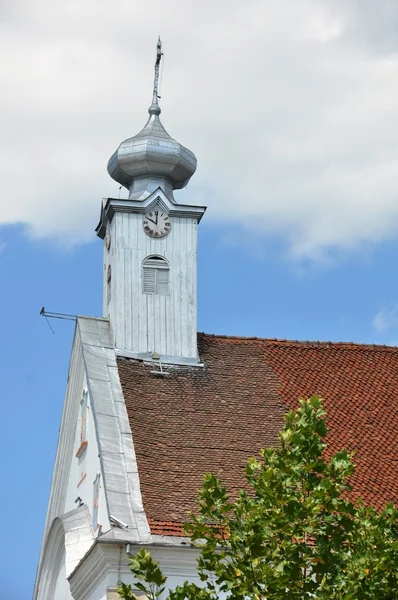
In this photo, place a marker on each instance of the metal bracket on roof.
(156, 362)
(117, 522)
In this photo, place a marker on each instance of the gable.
(76, 465)
(95, 464)
(214, 418)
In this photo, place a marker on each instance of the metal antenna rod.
(56, 315)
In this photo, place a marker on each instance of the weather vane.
(154, 108)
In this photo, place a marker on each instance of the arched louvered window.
(155, 275)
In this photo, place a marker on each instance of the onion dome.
(152, 158)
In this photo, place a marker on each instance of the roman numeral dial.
(156, 223)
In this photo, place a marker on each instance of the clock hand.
(154, 222)
(157, 215)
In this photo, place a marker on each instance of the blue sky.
(292, 110)
(239, 293)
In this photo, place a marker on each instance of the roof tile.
(212, 419)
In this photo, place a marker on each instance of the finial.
(154, 109)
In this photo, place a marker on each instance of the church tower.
(150, 246)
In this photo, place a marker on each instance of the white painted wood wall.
(141, 322)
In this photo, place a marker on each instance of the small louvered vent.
(162, 283)
(155, 275)
(149, 280)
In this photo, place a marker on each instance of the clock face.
(156, 223)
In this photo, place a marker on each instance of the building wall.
(85, 467)
(64, 456)
(165, 324)
(66, 476)
(62, 589)
(98, 576)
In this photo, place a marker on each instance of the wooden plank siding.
(165, 324)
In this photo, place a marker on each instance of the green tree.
(292, 534)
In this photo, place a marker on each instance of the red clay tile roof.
(167, 528)
(213, 418)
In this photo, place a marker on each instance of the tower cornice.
(110, 206)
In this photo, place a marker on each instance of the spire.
(152, 158)
(154, 109)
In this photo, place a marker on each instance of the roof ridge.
(285, 341)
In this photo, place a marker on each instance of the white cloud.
(386, 319)
(291, 107)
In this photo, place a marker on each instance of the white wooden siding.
(165, 324)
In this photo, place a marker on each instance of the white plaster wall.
(88, 464)
(63, 486)
(178, 564)
(100, 593)
(62, 589)
(64, 456)
(152, 323)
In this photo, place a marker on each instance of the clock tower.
(150, 246)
